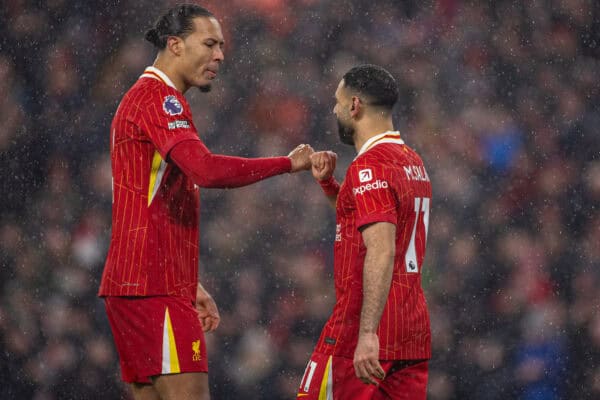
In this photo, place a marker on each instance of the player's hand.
(366, 359)
(300, 157)
(323, 164)
(207, 310)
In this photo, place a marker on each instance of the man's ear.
(175, 45)
(356, 106)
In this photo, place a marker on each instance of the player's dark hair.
(177, 21)
(376, 83)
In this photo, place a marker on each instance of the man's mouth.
(211, 73)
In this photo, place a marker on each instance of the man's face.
(343, 102)
(202, 53)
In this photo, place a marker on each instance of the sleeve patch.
(178, 124)
(172, 106)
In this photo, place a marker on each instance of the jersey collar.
(155, 73)
(385, 137)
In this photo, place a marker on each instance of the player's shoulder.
(151, 93)
(364, 167)
(377, 156)
(384, 159)
(391, 154)
(152, 90)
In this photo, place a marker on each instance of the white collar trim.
(377, 139)
(158, 72)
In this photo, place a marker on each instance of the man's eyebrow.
(215, 40)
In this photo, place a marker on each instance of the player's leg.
(159, 336)
(184, 366)
(144, 391)
(184, 386)
(405, 381)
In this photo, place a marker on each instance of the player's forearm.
(377, 279)
(218, 171)
(331, 188)
(379, 239)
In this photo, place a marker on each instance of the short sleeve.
(372, 190)
(167, 120)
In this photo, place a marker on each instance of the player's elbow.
(207, 182)
(206, 174)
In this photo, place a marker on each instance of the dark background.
(500, 98)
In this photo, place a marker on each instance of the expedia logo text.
(378, 184)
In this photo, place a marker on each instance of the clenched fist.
(300, 157)
(323, 164)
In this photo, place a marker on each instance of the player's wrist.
(289, 163)
(329, 186)
(367, 335)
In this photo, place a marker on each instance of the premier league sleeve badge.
(172, 106)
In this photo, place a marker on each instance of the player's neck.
(369, 128)
(170, 70)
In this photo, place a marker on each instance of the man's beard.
(205, 88)
(346, 133)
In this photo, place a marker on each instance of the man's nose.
(219, 55)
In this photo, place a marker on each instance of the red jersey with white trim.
(386, 182)
(154, 241)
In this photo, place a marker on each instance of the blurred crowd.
(500, 98)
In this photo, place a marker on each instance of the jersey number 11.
(421, 209)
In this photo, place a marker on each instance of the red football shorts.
(333, 378)
(155, 336)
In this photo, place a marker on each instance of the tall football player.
(376, 343)
(156, 307)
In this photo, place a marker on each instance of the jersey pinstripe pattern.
(378, 188)
(154, 240)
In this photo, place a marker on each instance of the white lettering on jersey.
(179, 124)
(416, 173)
(378, 184)
(338, 232)
(365, 175)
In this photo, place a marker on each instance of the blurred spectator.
(500, 98)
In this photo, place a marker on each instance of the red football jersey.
(386, 182)
(154, 241)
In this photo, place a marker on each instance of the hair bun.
(153, 37)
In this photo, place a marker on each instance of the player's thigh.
(157, 335)
(183, 386)
(405, 381)
(144, 391)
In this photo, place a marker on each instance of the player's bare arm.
(208, 312)
(323, 166)
(379, 239)
(300, 157)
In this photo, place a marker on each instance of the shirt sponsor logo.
(365, 175)
(172, 106)
(378, 184)
(416, 173)
(179, 124)
(196, 350)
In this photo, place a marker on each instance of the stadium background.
(500, 98)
